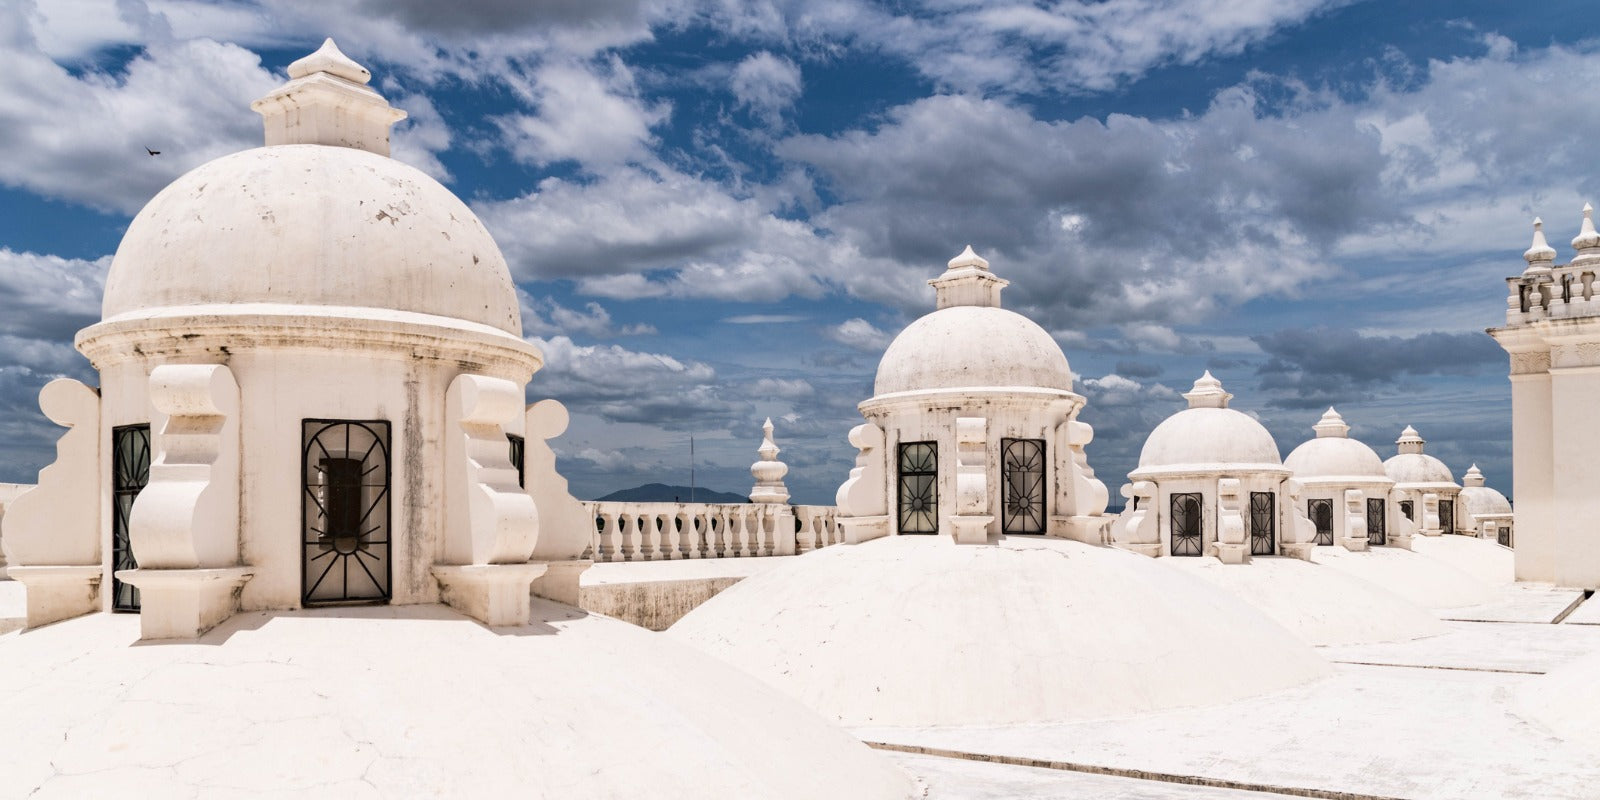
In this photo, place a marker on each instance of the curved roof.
(1209, 433)
(1334, 454)
(972, 346)
(311, 224)
(1417, 468)
(409, 701)
(916, 630)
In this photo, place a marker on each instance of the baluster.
(634, 536)
(697, 534)
(604, 532)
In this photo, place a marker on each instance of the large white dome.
(310, 224)
(1480, 499)
(972, 346)
(920, 630)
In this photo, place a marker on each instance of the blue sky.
(721, 211)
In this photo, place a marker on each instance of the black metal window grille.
(130, 473)
(1185, 531)
(1503, 535)
(1320, 510)
(345, 511)
(1022, 485)
(919, 487)
(1447, 516)
(1405, 508)
(1377, 522)
(517, 444)
(1263, 523)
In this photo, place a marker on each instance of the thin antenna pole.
(691, 468)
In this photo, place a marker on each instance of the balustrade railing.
(673, 531)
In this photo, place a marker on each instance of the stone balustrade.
(627, 531)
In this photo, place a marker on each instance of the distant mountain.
(662, 493)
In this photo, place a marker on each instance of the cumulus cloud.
(622, 385)
(767, 85)
(859, 334)
(589, 113)
(547, 317)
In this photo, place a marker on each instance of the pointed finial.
(331, 60)
(969, 258)
(769, 471)
(1331, 426)
(327, 102)
(1473, 477)
(1207, 393)
(1587, 238)
(1410, 441)
(1541, 253)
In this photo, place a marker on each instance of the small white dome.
(1208, 432)
(1417, 468)
(1334, 454)
(970, 346)
(310, 224)
(1482, 500)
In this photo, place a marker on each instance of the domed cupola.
(1426, 485)
(973, 411)
(1208, 432)
(970, 341)
(1347, 490)
(321, 219)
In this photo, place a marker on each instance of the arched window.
(919, 487)
(1320, 510)
(1447, 516)
(130, 471)
(1022, 485)
(1406, 509)
(1263, 523)
(1377, 522)
(345, 509)
(1186, 524)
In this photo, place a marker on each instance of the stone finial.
(1473, 478)
(1207, 393)
(968, 282)
(969, 258)
(1410, 441)
(769, 471)
(1587, 239)
(1541, 254)
(1331, 426)
(327, 101)
(330, 59)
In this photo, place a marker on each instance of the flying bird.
(152, 152)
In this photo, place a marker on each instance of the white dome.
(1209, 436)
(310, 224)
(1326, 458)
(1417, 468)
(917, 630)
(1332, 454)
(1484, 500)
(972, 346)
(413, 701)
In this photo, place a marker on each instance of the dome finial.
(1410, 441)
(1541, 254)
(1473, 477)
(968, 282)
(1207, 393)
(1587, 239)
(327, 101)
(1331, 426)
(969, 258)
(331, 60)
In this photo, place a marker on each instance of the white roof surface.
(1425, 578)
(917, 630)
(407, 701)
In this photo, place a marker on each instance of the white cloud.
(859, 334)
(768, 85)
(548, 318)
(590, 113)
